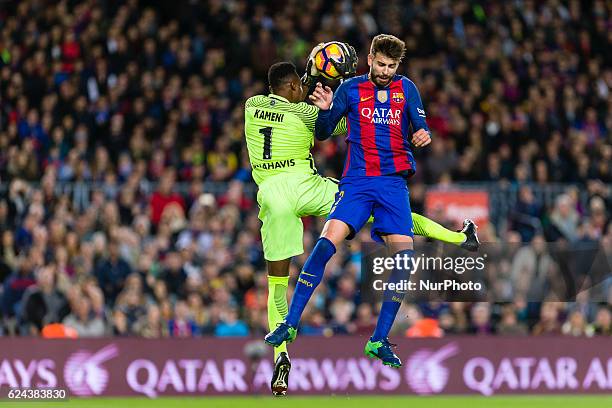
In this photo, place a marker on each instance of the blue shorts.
(384, 197)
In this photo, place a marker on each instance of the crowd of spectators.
(134, 100)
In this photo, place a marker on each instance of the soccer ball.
(322, 60)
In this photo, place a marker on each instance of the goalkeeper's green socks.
(428, 228)
(277, 306)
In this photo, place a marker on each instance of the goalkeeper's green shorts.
(285, 198)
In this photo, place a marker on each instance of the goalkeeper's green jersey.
(279, 136)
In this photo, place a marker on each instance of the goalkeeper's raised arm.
(346, 67)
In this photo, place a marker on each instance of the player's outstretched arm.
(332, 107)
(341, 128)
(322, 97)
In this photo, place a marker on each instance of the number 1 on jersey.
(267, 147)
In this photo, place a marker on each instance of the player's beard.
(379, 79)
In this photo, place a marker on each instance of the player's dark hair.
(281, 72)
(388, 45)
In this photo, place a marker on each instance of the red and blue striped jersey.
(379, 125)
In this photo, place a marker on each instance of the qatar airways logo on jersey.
(382, 116)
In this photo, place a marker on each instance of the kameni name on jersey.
(275, 165)
(268, 115)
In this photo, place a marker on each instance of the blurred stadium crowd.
(139, 98)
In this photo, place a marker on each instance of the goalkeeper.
(279, 134)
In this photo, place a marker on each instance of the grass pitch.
(340, 401)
